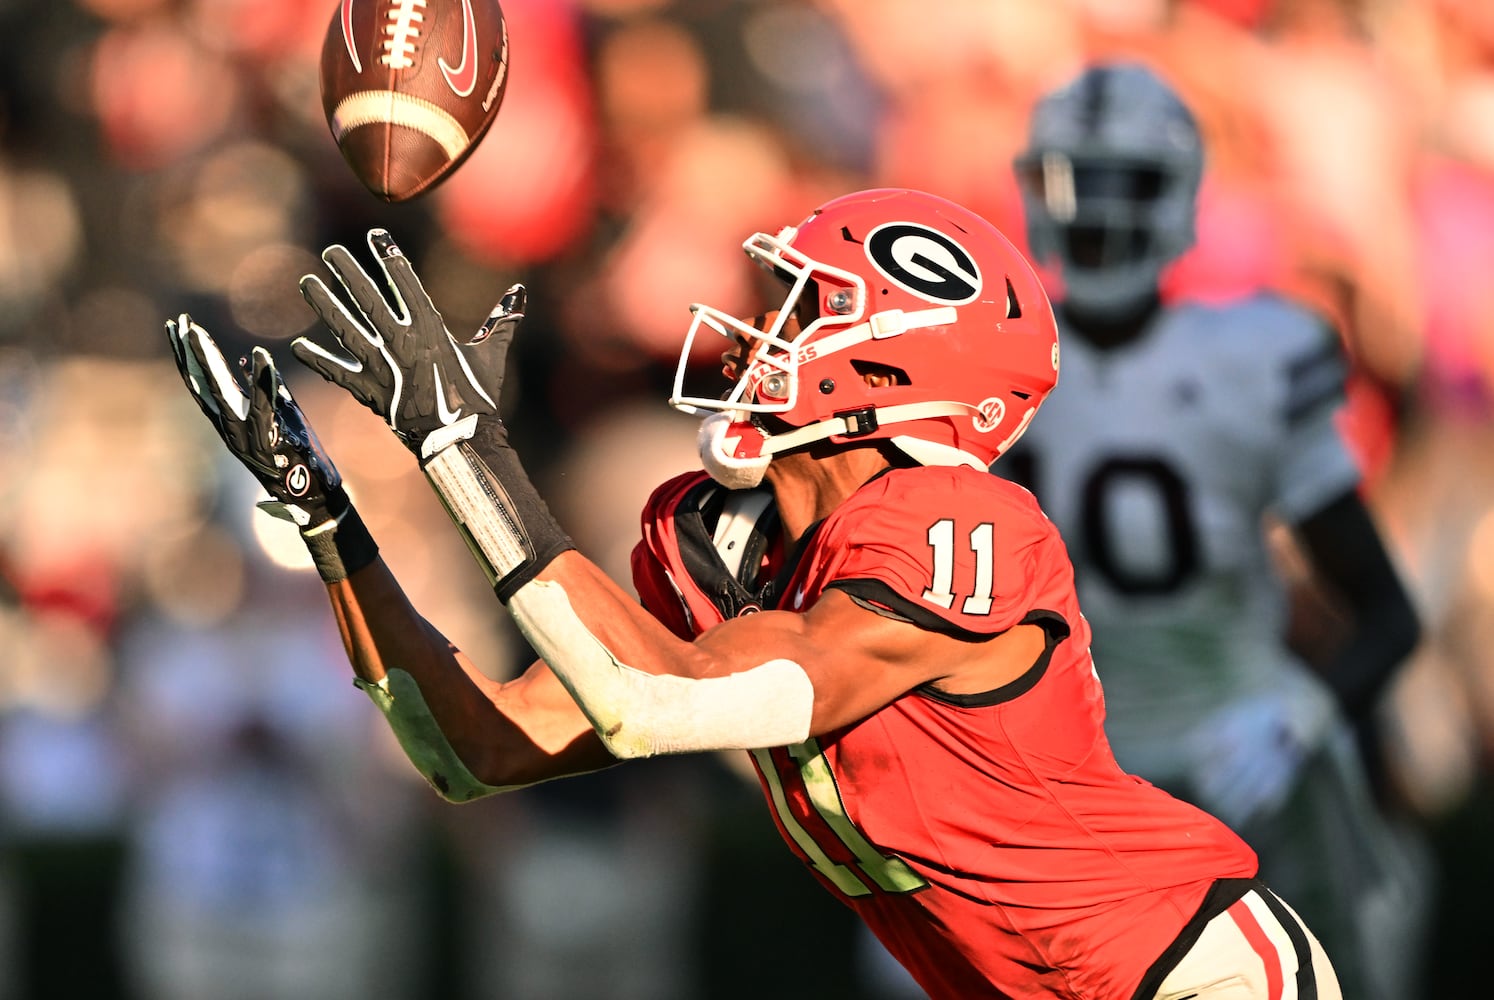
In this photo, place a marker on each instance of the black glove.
(404, 364)
(264, 428)
(441, 398)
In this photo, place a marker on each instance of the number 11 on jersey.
(941, 590)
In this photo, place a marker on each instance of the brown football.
(411, 86)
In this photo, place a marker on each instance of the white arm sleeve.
(638, 714)
(398, 697)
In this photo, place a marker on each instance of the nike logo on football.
(463, 77)
(446, 414)
(347, 35)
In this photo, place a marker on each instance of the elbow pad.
(398, 697)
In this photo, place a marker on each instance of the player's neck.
(808, 487)
(1114, 327)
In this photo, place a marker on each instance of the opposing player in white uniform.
(1177, 431)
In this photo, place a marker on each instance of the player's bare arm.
(491, 736)
(755, 683)
(508, 734)
(855, 660)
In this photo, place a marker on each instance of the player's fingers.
(351, 332)
(504, 319)
(187, 362)
(322, 361)
(221, 385)
(174, 340)
(483, 358)
(341, 372)
(405, 285)
(361, 289)
(267, 388)
(187, 366)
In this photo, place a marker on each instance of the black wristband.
(341, 546)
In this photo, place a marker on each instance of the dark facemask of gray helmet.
(1109, 183)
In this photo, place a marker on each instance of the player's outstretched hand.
(255, 415)
(1248, 755)
(401, 361)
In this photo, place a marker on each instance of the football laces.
(402, 33)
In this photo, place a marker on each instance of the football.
(411, 86)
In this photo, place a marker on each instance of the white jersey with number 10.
(1159, 460)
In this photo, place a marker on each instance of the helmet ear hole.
(877, 373)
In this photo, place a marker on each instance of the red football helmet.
(886, 281)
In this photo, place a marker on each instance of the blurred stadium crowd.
(189, 806)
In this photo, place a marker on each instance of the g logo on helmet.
(989, 414)
(924, 262)
(298, 480)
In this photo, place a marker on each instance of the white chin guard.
(720, 436)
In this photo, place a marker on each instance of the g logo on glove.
(298, 481)
(263, 427)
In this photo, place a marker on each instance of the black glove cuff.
(489, 496)
(343, 545)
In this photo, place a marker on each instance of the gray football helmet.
(1109, 184)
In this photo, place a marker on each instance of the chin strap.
(736, 452)
(720, 440)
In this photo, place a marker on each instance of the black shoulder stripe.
(879, 597)
(1054, 628)
(1315, 378)
(1307, 977)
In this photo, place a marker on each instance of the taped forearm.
(398, 697)
(639, 714)
(488, 495)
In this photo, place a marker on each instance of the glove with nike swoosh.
(264, 428)
(441, 398)
(402, 362)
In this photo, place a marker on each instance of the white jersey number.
(941, 590)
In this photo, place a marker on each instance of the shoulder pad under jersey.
(1296, 351)
(705, 554)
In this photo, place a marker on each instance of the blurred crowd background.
(194, 800)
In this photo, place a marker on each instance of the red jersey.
(990, 841)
